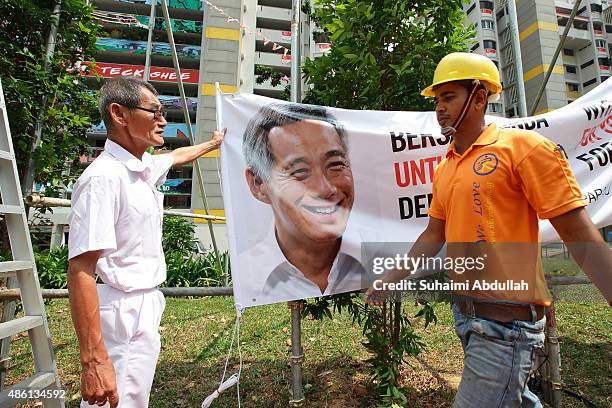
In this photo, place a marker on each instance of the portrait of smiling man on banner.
(297, 163)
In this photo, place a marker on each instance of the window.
(587, 64)
(600, 43)
(603, 78)
(581, 25)
(499, 15)
(488, 24)
(570, 69)
(608, 28)
(573, 87)
(510, 113)
(475, 47)
(603, 61)
(472, 7)
(562, 21)
(596, 8)
(591, 82)
(568, 51)
(489, 44)
(486, 5)
(597, 26)
(495, 107)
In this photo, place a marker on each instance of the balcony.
(573, 94)
(266, 88)
(274, 18)
(173, 132)
(278, 61)
(490, 52)
(139, 48)
(321, 49)
(278, 36)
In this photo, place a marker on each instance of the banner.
(380, 191)
(110, 19)
(162, 74)
(188, 4)
(176, 187)
(171, 131)
(140, 48)
(174, 102)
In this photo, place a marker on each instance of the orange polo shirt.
(494, 194)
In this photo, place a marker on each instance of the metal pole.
(150, 41)
(296, 53)
(570, 21)
(297, 354)
(518, 61)
(28, 177)
(196, 163)
(552, 382)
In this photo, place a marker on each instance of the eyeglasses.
(157, 113)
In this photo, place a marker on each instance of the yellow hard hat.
(459, 66)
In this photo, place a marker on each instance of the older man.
(297, 162)
(115, 240)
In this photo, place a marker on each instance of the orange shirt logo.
(485, 164)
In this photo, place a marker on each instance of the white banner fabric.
(388, 206)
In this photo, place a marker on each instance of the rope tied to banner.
(234, 379)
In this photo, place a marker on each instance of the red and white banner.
(162, 74)
(376, 187)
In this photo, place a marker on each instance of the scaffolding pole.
(196, 163)
(147, 70)
(551, 66)
(518, 60)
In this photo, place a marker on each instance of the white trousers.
(130, 328)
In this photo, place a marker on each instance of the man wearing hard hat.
(489, 192)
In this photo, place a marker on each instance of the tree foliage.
(70, 109)
(382, 52)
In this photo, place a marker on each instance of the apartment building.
(583, 63)
(211, 48)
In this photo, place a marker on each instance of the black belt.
(501, 312)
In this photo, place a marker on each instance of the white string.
(235, 378)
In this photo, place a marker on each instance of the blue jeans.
(497, 359)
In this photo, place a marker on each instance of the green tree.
(70, 108)
(55, 90)
(382, 54)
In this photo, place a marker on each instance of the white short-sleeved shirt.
(277, 280)
(117, 208)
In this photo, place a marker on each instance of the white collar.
(274, 257)
(128, 159)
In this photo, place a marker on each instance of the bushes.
(52, 266)
(185, 269)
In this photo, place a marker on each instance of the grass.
(196, 335)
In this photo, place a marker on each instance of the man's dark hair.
(126, 91)
(256, 145)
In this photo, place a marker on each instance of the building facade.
(211, 48)
(582, 64)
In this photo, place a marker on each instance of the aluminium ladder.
(21, 271)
